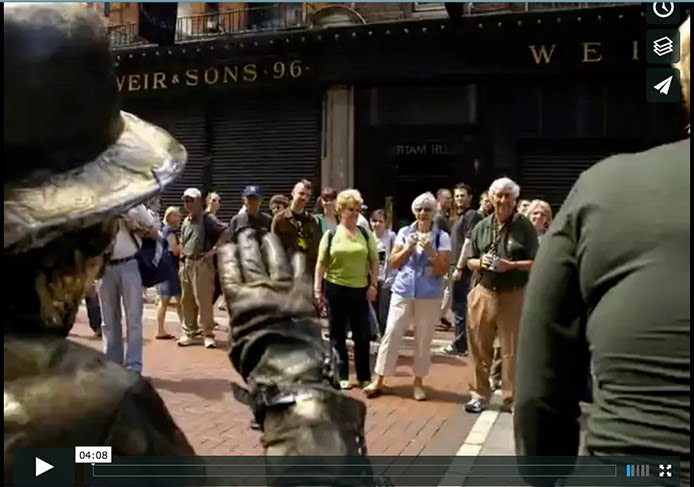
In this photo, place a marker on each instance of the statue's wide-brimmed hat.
(72, 158)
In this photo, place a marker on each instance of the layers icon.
(663, 46)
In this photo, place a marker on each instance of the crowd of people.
(372, 283)
(608, 295)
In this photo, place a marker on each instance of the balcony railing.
(124, 35)
(274, 17)
(289, 16)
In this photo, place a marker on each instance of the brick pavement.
(194, 383)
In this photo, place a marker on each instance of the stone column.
(337, 163)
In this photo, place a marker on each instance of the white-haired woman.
(611, 287)
(540, 215)
(421, 254)
(171, 288)
(503, 247)
(346, 278)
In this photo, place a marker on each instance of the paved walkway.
(492, 434)
(195, 385)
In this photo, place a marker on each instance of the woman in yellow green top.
(346, 279)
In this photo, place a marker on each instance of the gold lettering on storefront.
(591, 52)
(542, 54)
(212, 76)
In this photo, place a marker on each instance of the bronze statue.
(73, 163)
(278, 350)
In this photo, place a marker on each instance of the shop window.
(425, 105)
(272, 16)
(212, 19)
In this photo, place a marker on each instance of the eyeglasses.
(422, 210)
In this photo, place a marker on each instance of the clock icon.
(663, 10)
(663, 13)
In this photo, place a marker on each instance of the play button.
(42, 467)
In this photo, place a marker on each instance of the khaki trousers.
(197, 286)
(496, 361)
(489, 313)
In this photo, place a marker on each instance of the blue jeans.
(122, 283)
(459, 293)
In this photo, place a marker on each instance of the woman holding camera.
(421, 254)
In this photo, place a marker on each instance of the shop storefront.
(538, 97)
(244, 121)
(271, 140)
(540, 105)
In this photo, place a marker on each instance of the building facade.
(400, 107)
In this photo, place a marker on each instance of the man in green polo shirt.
(504, 245)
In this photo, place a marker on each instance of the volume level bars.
(637, 470)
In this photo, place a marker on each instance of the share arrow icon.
(664, 86)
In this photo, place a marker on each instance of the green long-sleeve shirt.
(610, 284)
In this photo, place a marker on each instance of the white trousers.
(403, 312)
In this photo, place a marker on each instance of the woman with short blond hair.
(540, 215)
(346, 278)
(171, 287)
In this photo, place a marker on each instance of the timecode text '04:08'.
(93, 454)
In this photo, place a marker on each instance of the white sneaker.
(186, 341)
(210, 343)
(419, 394)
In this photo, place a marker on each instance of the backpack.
(331, 233)
(152, 259)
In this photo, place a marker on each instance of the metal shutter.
(271, 141)
(188, 125)
(190, 130)
(549, 171)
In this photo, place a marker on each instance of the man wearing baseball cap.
(201, 232)
(252, 217)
